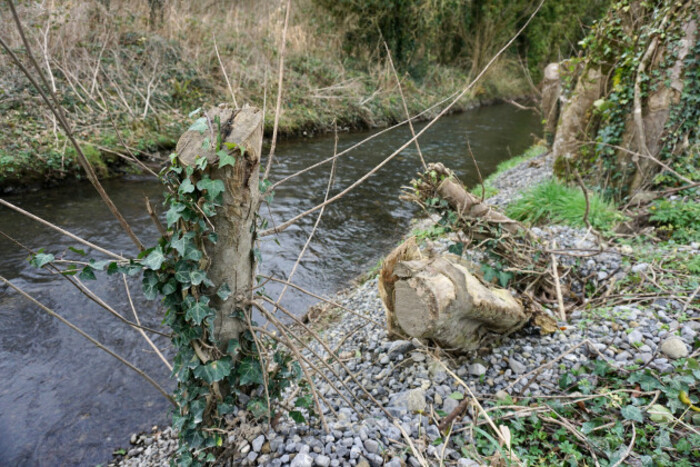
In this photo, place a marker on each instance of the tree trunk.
(551, 92)
(439, 299)
(231, 258)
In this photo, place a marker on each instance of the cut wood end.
(237, 126)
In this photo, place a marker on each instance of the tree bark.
(231, 259)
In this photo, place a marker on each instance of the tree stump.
(438, 298)
(231, 258)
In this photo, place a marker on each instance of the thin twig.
(557, 283)
(278, 107)
(138, 321)
(405, 107)
(223, 70)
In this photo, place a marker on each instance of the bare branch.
(278, 107)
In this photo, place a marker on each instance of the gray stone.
(399, 347)
(258, 443)
(412, 400)
(516, 366)
(323, 461)
(302, 459)
(252, 455)
(467, 463)
(372, 446)
(640, 267)
(449, 405)
(394, 462)
(635, 336)
(501, 395)
(674, 348)
(477, 369)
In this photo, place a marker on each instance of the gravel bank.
(411, 383)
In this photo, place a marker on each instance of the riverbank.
(614, 365)
(128, 85)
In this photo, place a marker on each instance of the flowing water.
(64, 402)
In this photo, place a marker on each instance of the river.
(64, 402)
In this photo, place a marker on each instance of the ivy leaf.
(233, 347)
(174, 213)
(456, 248)
(304, 402)
(458, 396)
(212, 187)
(77, 251)
(257, 407)
(182, 273)
(224, 292)
(225, 159)
(197, 277)
(41, 259)
(197, 410)
(180, 244)
(249, 372)
(99, 265)
(150, 284)
(155, 259)
(214, 371)
(632, 412)
(297, 416)
(199, 125)
(169, 287)
(186, 186)
(87, 274)
(198, 311)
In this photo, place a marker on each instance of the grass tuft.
(552, 201)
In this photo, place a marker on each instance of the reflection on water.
(64, 402)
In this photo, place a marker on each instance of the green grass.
(552, 201)
(530, 153)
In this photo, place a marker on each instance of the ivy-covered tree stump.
(230, 261)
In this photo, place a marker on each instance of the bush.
(679, 219)
(552, 201)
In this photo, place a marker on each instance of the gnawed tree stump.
(230, 259)
(441, 298)
(438, 298)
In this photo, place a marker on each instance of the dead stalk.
(405, 107)
(278, 107)
(557, 283)
(138, 321)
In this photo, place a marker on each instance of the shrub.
(679, 219)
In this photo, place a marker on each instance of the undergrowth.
(553, 201)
